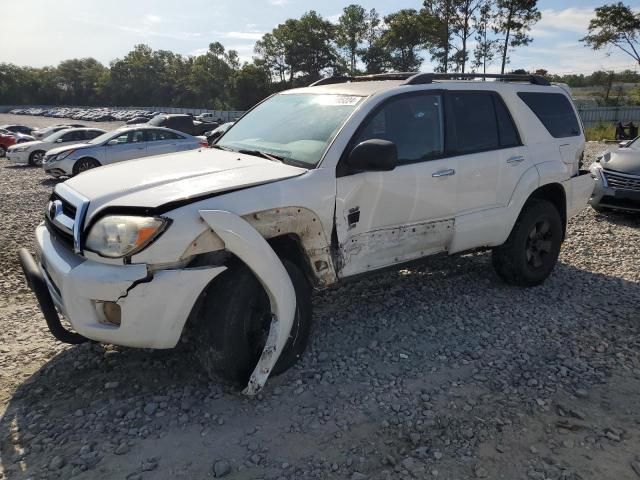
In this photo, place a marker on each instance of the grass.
(602, 131)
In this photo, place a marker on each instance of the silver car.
(617, 174)
(124, 143)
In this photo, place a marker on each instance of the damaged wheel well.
(554, 193)
(290, 247)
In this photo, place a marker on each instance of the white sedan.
(125, 143)
(32, 153)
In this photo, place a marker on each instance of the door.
(126, 146)
(385, 218)
(490, 157)
(162, 141)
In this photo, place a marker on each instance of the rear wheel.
(234, 323)
(36, 157)
(85, 164)
(528, 256)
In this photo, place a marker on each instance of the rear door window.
(554, 111)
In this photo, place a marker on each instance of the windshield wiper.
(220, 147)
(260, 153)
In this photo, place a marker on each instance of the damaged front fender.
(244, 241)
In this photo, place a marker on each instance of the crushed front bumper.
(607, 196)
(154, 306)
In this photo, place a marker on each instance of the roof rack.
(414, 78)
(364, 78)
(424, 78)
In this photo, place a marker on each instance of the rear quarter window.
(554, 111)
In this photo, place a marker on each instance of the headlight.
(61, 156)
(19, 149)
(118, 236)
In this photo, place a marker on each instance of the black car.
(182, 123)
(137, 120)
(18, 129)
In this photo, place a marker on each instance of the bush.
(602, 131)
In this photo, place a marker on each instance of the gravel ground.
(439, 371)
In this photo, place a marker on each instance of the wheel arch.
(554, 193)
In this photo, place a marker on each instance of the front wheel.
(3, 151)
(35, 159)
(234, 323)
(85, 164)
(530, 253)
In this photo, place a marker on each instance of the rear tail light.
(204, 144)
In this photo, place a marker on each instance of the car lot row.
(105, 114)
(70, 151)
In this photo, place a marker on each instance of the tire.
(234, 321)
(35, 159)
(85, 164)
(3, 151)
(530, 253)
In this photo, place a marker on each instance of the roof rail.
(413, 78)
(364, 78)
(425, 78)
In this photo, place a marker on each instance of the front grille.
(622, 182)
(68, 209)
(58, 233)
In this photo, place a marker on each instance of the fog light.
(109, 312)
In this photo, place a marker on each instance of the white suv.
(312, 186)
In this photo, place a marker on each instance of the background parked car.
(18, 129)
(32, 153)
(6, 140)
(137, 120)
(124, 143)
(216, 133)
(182, 123)
(617, 175)
(44, 132)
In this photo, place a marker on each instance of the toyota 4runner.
(312, 186)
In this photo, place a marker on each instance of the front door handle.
(444, 173)
(516, 159)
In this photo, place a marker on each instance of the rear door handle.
(516, 159)
(444, 173)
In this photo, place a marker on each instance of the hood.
(154, 181)
(65, 148)
(33, 143)
(624, 160)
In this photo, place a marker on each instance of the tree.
(615, 25)
(272, 53)
(375, 55)
(486, 48)
(408, 32)
(513, 20)
(465, 27)
(351, 31)
(443, 14)
(251, 84)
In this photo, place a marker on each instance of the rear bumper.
(154, 305)
(578, 190)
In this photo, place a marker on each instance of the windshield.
(54, 136)
(294, 127)
(104, 137)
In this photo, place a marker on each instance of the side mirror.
(59, 140)
(373, 156)
(113, 142)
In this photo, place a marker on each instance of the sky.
(44, 32)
